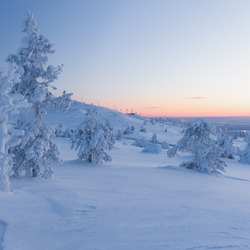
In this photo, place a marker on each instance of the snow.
(138, 201)
(152, 148)
(108, 207)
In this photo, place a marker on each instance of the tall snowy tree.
(200, 141)
(93, 139)
(37, 149)
(9, 104)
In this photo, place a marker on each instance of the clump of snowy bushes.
(129, 130)
(61, 132)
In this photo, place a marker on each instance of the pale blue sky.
(155, 57)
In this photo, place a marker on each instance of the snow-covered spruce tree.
(37, 149)
(92, 139)
(225, 142)
(9, 104)
(199, 139)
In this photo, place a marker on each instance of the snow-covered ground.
(138, 201)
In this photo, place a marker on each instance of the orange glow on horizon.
(197, 113)
(183, 108)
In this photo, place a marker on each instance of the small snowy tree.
(245, 154)
(154, 139)
(37, 149)
(9, 104)
(92, 139)
(119, 135)
(128, 131)
(59, 130)
(199, 139)
(226, 145)
(143, 130)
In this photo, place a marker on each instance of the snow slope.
(75, 116)
(119, 121)
(138, 201)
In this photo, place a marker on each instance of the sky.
(152, 57)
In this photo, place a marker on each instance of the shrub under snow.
(152, 148)
(141, 142)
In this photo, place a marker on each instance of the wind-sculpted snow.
(67, 211)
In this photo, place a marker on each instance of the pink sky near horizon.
(187, 107)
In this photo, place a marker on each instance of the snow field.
(127, 205)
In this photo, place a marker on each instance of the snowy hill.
(119, 121)
(75, 115)
(138, 201)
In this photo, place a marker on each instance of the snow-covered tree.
(37, 149)
(128, 131)
(59, 130)
(226, 144)
(199, 139)
(9, 104)
(154, 139)
(93, 139)
(245, 154)
(143, 130)
(118, 135)
(140, 142)
(152, 121)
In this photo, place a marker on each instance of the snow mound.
(152, 148)
(141, 142)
